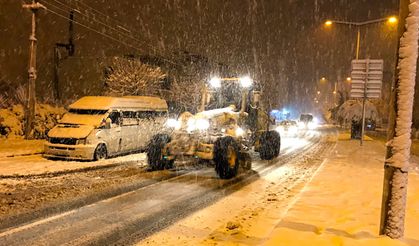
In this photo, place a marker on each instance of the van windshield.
(91, 117)
(88, 111)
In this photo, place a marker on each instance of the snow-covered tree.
(132, 77)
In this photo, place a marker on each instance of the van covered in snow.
(96, 127)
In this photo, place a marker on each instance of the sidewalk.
(20, 147)
(341, 205)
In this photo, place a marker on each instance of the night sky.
(283, 44)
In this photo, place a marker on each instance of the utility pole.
(57, 56)
(30, 106)
(393, 207)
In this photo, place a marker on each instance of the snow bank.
(12, 120)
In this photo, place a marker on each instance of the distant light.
(318, 92)
(246, 81)
(348, 79)
(215, 82)
(323, 79)
(334, 92)
(392, 20)
(328, 23)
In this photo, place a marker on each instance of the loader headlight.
(239, 132)
(245, 81)
(197, 124)
(215, 82)
(173, 123)
(202, 124)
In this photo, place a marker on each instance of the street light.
(390, 20)
(349, 79)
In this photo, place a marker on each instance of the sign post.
(367, 76)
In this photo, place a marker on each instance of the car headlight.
(81, 141)
(312, 125)
(293, 130)
(301, 125)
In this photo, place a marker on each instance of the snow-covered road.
(135, 215)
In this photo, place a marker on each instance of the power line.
(92, 29)
(104, 24)
(79, 12)
(105, 15)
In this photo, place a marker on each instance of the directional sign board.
(367, 77)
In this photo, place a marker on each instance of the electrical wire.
(94, 30)
(105, 15)
(79, 11)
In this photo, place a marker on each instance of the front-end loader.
(223, 136)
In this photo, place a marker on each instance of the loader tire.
(270, 145)
(155, 158)
(226, 157)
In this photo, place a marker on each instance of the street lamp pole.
(358, 41)
(359, 25)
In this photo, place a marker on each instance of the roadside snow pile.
(12, 120)
(352, 110)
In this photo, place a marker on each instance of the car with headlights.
(97, 127)
(287, 128)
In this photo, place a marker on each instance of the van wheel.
(154, 153)
(101, 152)
(226, 157)
(270, 144)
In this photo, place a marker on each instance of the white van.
(97, 127)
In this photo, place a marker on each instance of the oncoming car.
(287, 128)
(97, 127)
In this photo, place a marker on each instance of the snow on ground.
(340, 206)
(36, 164)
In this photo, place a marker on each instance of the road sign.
(367, 76)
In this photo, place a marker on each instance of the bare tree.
(185, 93)
(132, 77)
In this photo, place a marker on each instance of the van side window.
(129, 118)
(115, 118)
(150, 114)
